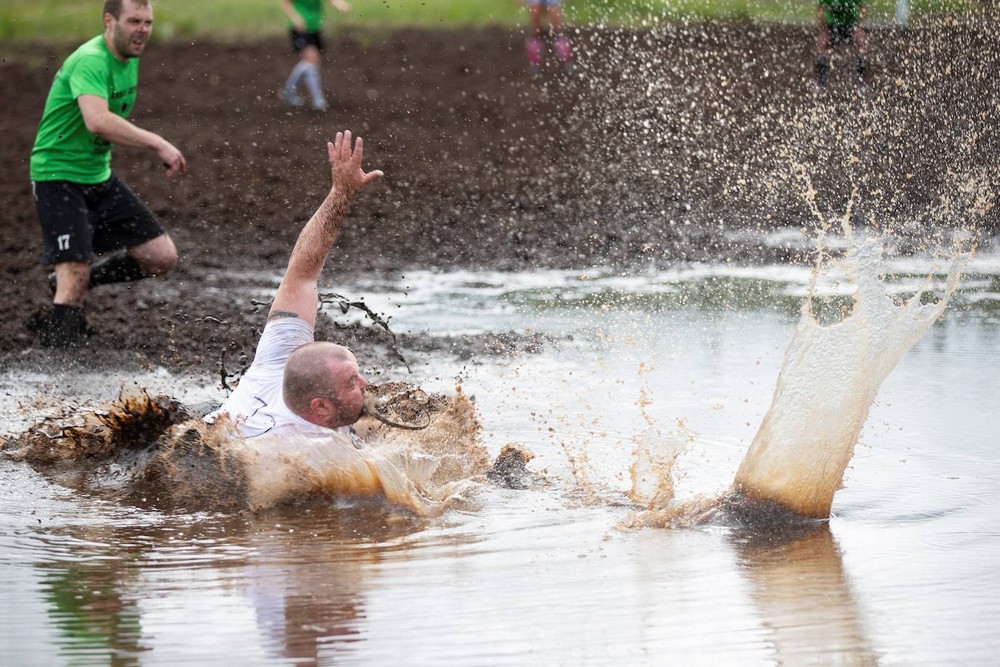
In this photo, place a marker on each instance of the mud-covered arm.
(298, 293)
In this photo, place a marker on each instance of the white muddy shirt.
(257, 406)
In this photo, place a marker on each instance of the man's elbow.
(99, 122)
(95, 124)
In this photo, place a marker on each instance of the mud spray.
(148, 451)
(151, 452)
(831, 374)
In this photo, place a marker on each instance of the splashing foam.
(830, 378)
(654, 455)
(150, 451)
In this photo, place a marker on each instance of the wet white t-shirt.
(256, 406)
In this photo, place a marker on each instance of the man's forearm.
(289, 10)
(121, 132)
(318, 236)
(298, 292)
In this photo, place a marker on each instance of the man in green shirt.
(839, 21)
(83, 207)
(305, 19)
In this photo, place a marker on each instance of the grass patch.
(74, 20)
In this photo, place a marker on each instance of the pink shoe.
(533, 48)
(562, 48)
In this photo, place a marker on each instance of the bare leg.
(533, 45)
(860, 46)
(308, 60)
(536, 20)
(72, 279)
(823, 39)
(860, 40)
(65, 325)
(562, 42)
(156, 257)
(311, 56)
(153, 258)
(555, 19)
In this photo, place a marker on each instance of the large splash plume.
(831, 374)
(829, 380)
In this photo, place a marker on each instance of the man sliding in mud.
(297, 385)
(284, 434)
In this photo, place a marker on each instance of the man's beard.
(123, 44)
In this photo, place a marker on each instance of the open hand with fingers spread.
(298, 292)
(345, 165)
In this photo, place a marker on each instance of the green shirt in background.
(841, 12)
(311, 12)
(64, 149)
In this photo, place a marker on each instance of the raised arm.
(298, 293)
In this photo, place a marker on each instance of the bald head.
(322, 384)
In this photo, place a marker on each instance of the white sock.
(293, 79)
(313, 84)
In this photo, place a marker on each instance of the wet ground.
(667, 145)
(665, 148)
(561, 571)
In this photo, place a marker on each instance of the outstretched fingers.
(334, 148)
(356, 156)
(345, 145)
(345, 162)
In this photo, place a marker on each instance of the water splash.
(655, 454)
(151, 452)
(829, 380)
(830, 377)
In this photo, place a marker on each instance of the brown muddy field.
(678, 144)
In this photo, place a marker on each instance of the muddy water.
(903, 572)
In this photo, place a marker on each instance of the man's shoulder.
(89, 60)
(281, 337)
(290, 329)
(92, 50)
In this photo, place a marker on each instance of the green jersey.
(841, 12)
(64, 149)
(311, 12)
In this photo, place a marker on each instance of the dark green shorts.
(301, 40)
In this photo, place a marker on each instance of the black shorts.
(79, 221)
(301, 40)
(841, 32)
